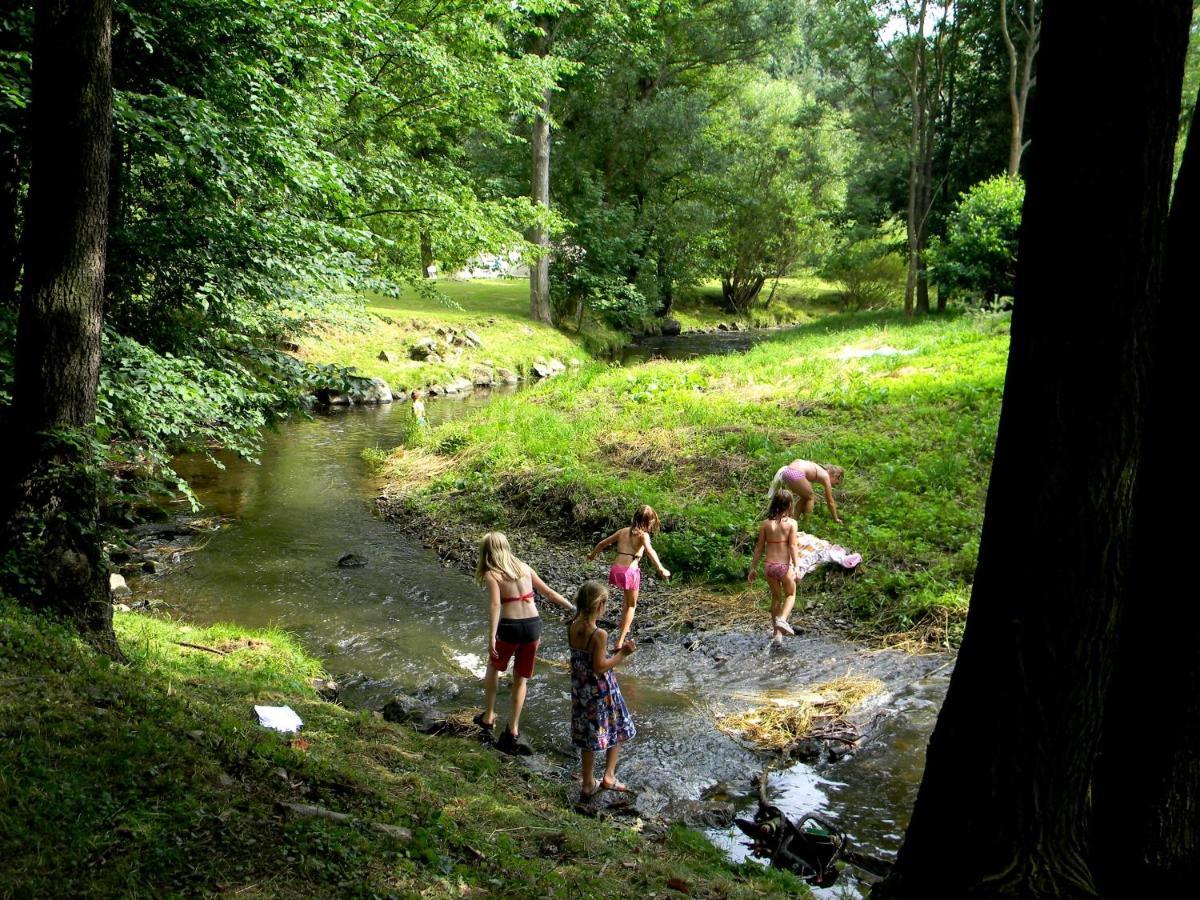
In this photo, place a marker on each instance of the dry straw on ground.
(787, 718)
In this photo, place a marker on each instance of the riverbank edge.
(156, 769)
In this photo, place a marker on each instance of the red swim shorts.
(520, 637)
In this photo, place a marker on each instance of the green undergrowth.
(700, 440)
(497, 310)
(796, 301)
(151, 779)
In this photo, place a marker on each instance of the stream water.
(407, 623)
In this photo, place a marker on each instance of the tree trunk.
(426, 254)
(918, 81)
(50, 509)
(1020, 76)
(1147, 817)
(1004, 806)
(666, 284)
(539, 272)
(10, 200)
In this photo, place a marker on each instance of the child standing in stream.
(514, 629)
(777, 535)
(600, 719)
(418, 407)
(632, 542)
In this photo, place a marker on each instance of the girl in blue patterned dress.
(600, 719)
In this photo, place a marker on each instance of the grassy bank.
(796, 301)
(497, 310)
(151, 779)
(701, 439)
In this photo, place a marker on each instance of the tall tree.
(52, 505)
(1148, 827)
(1004, 806)
(539, 145)
(1020, 71)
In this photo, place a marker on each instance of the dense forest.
(194, 194)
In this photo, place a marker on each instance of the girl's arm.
(758, 549)
(542, 588)
(794, 547)
(493, 612)
(665, 573)
(829, 496)
(601, 661)
(604, 543)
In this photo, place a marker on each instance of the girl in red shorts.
(632, 543)
(514, 629)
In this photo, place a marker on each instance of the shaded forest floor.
(909, 408)
(151, 778)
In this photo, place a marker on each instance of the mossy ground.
(151, 779)
(497, 309)
(701, 439)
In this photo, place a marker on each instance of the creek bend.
(408, 623)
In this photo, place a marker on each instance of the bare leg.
(789, 592)
(588, 771)
(490, 682)
(631, 598)
(518, 702)
(776, 603)
(806, 504)
(610, 766)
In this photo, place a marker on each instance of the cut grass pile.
(152, 779)
(786, 718)
(908, 407)
(497, 310)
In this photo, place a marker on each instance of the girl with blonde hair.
(514, 629)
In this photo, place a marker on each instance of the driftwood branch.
(201, 647)
(306, 811)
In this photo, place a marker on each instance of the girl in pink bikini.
(777, 535)
(800, 476)
(632, 543)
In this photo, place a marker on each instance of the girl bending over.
(799, 476)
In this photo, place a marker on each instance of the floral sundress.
(599, 717)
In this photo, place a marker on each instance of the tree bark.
(918, 82)
(1004, 807)
(51, 503)
(539, 272)
(1147, 815)
(426, 254)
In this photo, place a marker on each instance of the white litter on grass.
(860, 352)
(278, 718)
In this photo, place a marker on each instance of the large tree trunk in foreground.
(539, 272)
(51, 504)
(1147, 821)
(1004, 808)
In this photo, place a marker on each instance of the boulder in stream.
(671, 327)
(117, 586)
(352, 561)
(405, 710)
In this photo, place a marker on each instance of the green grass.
(700, 441)
(151, 779)
(496, 309)
(797, 300)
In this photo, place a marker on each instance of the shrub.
(869, 269)
(977, 258)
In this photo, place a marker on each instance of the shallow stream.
(407, 623)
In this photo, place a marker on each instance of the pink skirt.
(626, 578)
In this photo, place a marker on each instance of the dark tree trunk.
(539, 272)
(1147, 818)
(1004, 807)
(426, 254)
(666, 284)
(740, 291)
(10, 209)
(52, 489)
